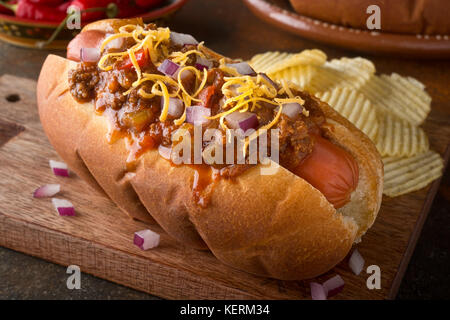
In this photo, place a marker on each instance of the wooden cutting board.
(99, 238)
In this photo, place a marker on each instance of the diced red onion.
(59, 168)
(197, 114)
(182, 39)
(165, 152)
(169, 68)
(333, 286)
(48, 190)
(202, 63)
(146, 239)
(318, 292)
(292, 110)
(64, 207)
(265, 76)
(356, 262)
(242, 120)
(176, 107)
(89, 54)
(243, 68)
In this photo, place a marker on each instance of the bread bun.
(270, 225)
(399, 16)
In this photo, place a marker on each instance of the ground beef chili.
(137, 118)
(83, 81)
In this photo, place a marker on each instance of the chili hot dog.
(122, 122)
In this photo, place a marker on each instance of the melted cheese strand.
(196, 72)
(202, 84)
(135, 65)
(286, 88)
(187, 104)
(112, 37)
(144, 94)
(105, 57)
(166, 97)
(182, 57)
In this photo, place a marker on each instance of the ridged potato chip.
(387, 108)
(404, 175)
(271, 62)
(299, 75)
(264, 61)
(397, 137)
(338, 73)
(404, 97)
(355, 107)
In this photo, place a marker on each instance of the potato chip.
(264, 61)
(397, 137)
(403, 175)
(271, 62)
(299, 75)
(355, 107)
(404, 97)
(345, 72)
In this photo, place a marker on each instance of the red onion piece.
(202, 63)
(48, 190)
(169, 68)
(176, 107)
(146, 239)
(242, 120)
(318, 292)
(182, 39)
(243, 68)
(333, 286)
(89, 54)
(117, 43)
(265, 76)
(64, 207)
(356, 262)
(165, 152)
(292, 110)
(196, 115)
(59, 168)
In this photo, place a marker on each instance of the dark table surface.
(228, 27)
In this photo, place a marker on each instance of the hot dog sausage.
(86, 39)
(331, 170)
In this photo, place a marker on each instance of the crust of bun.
(69, 127)
(401, 16)
(291, 232)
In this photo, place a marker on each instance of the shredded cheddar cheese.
(241, 93)
(166, 98)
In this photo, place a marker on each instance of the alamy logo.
(374, 20)
(74, 280)
(374, 280)
(235, 147)
(73, 18)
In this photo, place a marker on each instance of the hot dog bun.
(270, 225)
(401, 16)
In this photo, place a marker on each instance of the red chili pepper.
(7, 10)
(63, 6)
(88, 4)
(29, 10)
(48, 2)
(206, 96)
(142, 59)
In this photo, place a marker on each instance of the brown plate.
(26, 32)
(280, 14)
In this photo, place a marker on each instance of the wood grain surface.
(99, 239)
